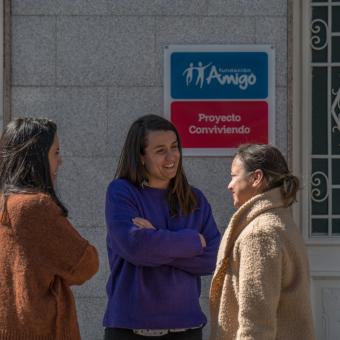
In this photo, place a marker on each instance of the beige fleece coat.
(260, 289)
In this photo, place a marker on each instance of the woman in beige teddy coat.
(260, 289)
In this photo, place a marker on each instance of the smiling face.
(161, 158)
(54, 158)
(243, 185)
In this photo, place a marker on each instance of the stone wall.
(95, 66)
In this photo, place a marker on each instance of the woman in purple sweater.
(161, 237)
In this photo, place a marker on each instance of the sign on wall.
(220, 96)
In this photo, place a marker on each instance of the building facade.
(95, 66)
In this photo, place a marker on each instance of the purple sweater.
(155, 274)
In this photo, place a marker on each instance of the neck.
(156, 185)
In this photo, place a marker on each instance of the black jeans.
(127, 334)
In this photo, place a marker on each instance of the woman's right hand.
(203, 241)
(142, 223)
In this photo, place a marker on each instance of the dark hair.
(274, 167)
(24, 164)
(130, 167)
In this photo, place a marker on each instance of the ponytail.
(289, 188)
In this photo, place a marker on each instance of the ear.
(142, 160)
(258, 178)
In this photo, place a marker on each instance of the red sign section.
(220, 124)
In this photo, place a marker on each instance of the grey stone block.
(80, 113)
(205, 280)
(34, 7)
(82, 118)
(247, 7)
(198, 31)
(105, 51)
(34, 102)
(95, 287)
(157, 7)
(81, 7)
(33, 50)
(205, 307)
(211, 175)
(82, 184)
(281, 120)
(90, 316)
(274, 31)
(125, 106)
(61, 7)
(82, 50)
(132, 51)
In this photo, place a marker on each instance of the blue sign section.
(219, 75)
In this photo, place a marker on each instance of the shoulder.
(121, 188)
(121, 184)
(262, 234)
(264, 225)
(30, 200)
(23, 204)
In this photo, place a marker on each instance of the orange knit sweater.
(41, 255)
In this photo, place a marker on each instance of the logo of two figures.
(200, 73)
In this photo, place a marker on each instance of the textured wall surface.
(95, 66)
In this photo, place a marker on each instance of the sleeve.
(140, 246)
(57, 244)
(259, 285)
(205, 263)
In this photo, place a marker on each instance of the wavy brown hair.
(24, 164)
(181, 198)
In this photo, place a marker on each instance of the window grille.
(325, 118)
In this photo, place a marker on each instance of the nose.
(171, 155)
(229, 186)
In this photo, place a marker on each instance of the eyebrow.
(163, 145)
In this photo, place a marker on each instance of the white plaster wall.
(95, 66)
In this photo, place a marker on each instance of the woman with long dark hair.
(41, 253)
(161, 238)
(260, 289)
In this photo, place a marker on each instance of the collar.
(244, 215)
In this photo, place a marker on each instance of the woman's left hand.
(142, 223)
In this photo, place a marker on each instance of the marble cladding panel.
(95, 287)
(34, 101)
(60, 7)
(82, 184)
(90, 312)
(33, 50)
(105, 51)
(205, 307)
(158, 7)
(80, 114)
(281, 128)
(273, 31)
(247, 7)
